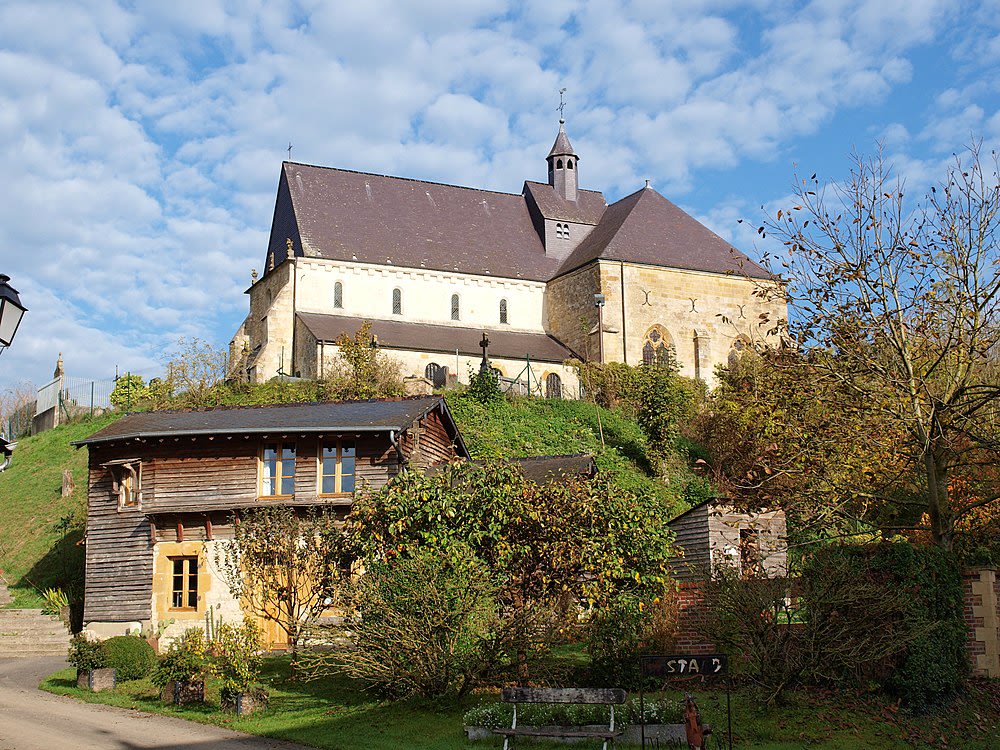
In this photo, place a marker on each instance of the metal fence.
(79, 396)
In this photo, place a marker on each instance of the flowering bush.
(185, 660)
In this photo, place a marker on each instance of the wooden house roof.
(375, 415)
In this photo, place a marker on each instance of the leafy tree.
(283, 565)
(194, 368)
(423, 624)
(129, 392)
(900, 303)
(549, 547)
(363, 370)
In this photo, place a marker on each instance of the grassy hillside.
(537, 427)
(39, 529)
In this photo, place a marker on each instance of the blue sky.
(142, 141)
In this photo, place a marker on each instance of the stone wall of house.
(570, 314)
(268, 325)
(691, 618)
(982, 618)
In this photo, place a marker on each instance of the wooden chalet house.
(163, 487)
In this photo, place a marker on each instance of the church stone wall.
(570, 314)
(703, 313)
(426, 295)
(414, 363)
(270, 322)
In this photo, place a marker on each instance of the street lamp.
(11, 311)
(599, 304)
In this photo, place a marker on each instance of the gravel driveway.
(33, 720)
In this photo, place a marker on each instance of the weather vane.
(562, 105)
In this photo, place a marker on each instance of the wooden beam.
(180, 531)
(208, 527)
(152, 531)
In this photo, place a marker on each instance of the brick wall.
(982, 618)
(690, 618)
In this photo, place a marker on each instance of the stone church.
(550, 274)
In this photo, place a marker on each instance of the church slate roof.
(647, 228)
(369, 218)
(392, 221)
(399, 334)
(586, 209)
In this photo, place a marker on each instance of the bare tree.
(283, 565)
(898, 303)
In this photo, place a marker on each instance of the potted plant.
(237, 661)
(180, 673)
(91, 662)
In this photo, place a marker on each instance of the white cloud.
(144, 143)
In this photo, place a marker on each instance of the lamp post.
(11, 312)
(599, 304)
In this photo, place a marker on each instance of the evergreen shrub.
(934, 662)
(131, 655)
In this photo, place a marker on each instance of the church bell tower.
(562, 165)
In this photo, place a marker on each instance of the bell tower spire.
(563, 160)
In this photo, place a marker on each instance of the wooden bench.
(610, 697)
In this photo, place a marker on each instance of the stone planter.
(666, 734)
(180, 692)
(244, 704)
(97, 679)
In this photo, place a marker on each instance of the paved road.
(33, 720)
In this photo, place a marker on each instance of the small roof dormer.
(563, 176)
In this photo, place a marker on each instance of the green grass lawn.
(335, 713)
(39, 529)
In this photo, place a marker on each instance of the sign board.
(684, 665)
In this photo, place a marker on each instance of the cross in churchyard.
(485, 344)
(562, 105)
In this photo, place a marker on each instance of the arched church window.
(739, 347)
(558, 163)
(569, 164)
(657, 348)
(338, 295)
(437, 374)
(553, 386)
(503, 312)
(455, 309)
(397, 302)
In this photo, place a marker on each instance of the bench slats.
(558, 732)
(563, 695)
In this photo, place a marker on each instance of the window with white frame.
(277, 470)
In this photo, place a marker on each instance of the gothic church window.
(657, 348)
(558, 163)
(397, 302)
(569, 164)
(553, 386)
(437, 374)
(503, 311)
(338, 295)
(455, 310)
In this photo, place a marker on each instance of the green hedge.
(935, 662)
(132, 656)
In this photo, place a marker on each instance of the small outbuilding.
(716, 532)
